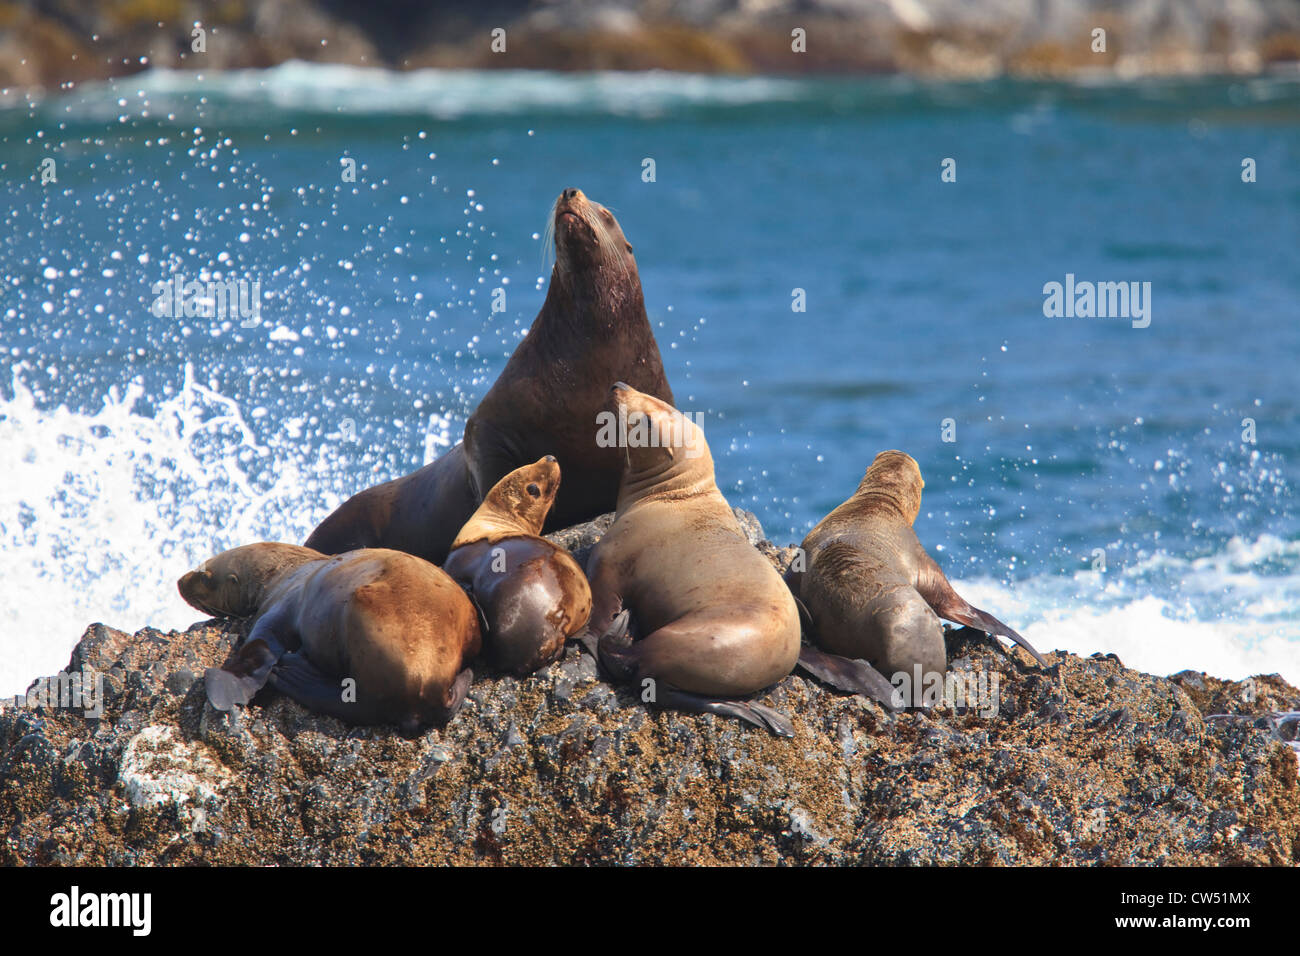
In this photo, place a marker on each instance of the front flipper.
(482, 615)
(850, 675)
(748, 711)
(948, 604)
(241, 677)
(614, 649)
(456, 693)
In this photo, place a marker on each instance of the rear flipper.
(298, 678)
(241, 677)
(982, 620)
(948, 604)
(748, 711)
(850, 675)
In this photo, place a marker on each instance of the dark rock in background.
(1086, 762)
(51, 42)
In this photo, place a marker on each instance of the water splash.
(101, 513)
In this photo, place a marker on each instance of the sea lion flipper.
(850, 675)
(613, 649)
(225, 689)
(751, 713)
(944, 600)
(457, 691)
(482, 615)
(246, 673)
(618, 628)
(988, 623)
(299, 679)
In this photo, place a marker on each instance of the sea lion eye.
(534, 491)
(629, 246)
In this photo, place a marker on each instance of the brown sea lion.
(874, 595)
(532, 593)
(592, 329)
(399, 627)
(675, 567)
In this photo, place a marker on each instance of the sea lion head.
(232, 584)
(659, 442)
(587, 237)
(895, 476)
(517, 504)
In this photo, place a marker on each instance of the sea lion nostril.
(570, 193)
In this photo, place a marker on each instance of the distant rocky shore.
(46, 43)
(1085, 762)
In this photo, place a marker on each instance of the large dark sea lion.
(873, 593)
(716, 619)
(532, 593)
(592, 330)
(399, 628)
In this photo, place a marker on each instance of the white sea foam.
(441, 94)
(1231, 613)
(101, 513)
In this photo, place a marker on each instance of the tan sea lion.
(592, 329)
(532, 593)
(675, 567)
(397, 626)
(872, 592)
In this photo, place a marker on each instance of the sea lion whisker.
(548, 237)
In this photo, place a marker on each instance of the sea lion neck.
(876, 499)
(282, 562)
(489, 524)
(683, 479)
(581, 301)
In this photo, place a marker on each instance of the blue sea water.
(1101, 493)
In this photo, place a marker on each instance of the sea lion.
(591, 330)
(532, 593)
(675, 567)
(873, 593)
(395, 624)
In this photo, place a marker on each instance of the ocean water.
(1102, 491)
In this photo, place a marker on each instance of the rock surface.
(1086, 762)
(50, 42)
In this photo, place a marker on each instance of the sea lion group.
(378, 618)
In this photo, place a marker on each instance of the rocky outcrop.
(1085, 762)
(49, 42)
